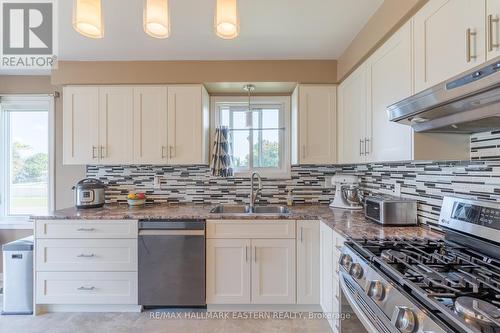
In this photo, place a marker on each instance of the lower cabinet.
(330, 283)
(278, 267)
(250, 271)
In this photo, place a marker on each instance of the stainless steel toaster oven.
(391, 210)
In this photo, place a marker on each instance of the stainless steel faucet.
(254, 194)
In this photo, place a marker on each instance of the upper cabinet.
(492, 29)
(449, 39)
(353, 114)
(141, 124)
(365, 132)
(187, 124)
(315, 114)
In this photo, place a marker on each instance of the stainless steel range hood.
(467, 103)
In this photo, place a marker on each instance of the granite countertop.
(347, 223)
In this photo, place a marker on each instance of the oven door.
(368, 317)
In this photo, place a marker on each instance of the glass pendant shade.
(156, 18)
(87, 18)
(227, 25)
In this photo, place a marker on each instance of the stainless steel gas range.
(425, 285)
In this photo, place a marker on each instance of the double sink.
(246, 209)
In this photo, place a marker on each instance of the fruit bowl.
(136, 202)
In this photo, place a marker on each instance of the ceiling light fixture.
(227, 21)
(87, 18)
(156, 18)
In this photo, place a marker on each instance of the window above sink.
(260, 139)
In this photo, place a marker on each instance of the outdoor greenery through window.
(25, 157)
(258, 138)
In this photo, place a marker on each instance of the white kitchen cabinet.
(273, 271)
(116, 105)
(80, 125)
(390, 75)
(314, 109)
(449, 39)
(326, 272)
(492, 29)
(228, 271)
(135, 124)
(150, 125)
(187, 124)
(353, 117)
(365, 132)
(308, 262)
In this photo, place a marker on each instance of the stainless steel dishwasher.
(172, 263)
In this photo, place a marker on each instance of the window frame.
(260, 102)
(24, 221)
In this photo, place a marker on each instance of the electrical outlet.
(328, 182)
(157, 182)
(397, 189)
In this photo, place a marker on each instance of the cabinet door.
(80, 125)
(308, 262)
(449, 39)
(317, 124)
(273, 271)
(493, 28)
(352, 117)
(390, 78)
(326, 282)
(228, 271)
(150, 125)
(116, 125)
(185, 125)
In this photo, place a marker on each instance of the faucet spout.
(254, 193)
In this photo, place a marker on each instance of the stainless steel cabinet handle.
(93, 152)
(361, 152)
(255, 254)
(468, 36)
(101, 150)
(82, 255)
(367, 146)
(86, 288)
(246, 253)
(170, 149)
(85, 229)
(491, 43)
(162, 151)
(302, 234)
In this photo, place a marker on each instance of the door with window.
(25, 167)
(259, 135)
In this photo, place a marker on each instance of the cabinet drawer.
(86, 229)
(86, 288)
(86, 255)
(251, 229)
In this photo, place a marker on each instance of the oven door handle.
(364, 318)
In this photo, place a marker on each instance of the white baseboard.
(265, 307)
(45, 308)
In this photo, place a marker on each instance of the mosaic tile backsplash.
(426, 182)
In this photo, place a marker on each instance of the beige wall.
(386, 20)
(151, 72)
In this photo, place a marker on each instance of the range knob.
(345, 261)
(376, 290)
(356, 271)
(405, 319)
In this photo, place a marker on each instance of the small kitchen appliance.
(347, 195)
(391, 210)
(428, 284)
(89, 193)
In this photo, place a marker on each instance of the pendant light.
(227, 21)
(249, 88)
(87, 18)
(156, 18)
